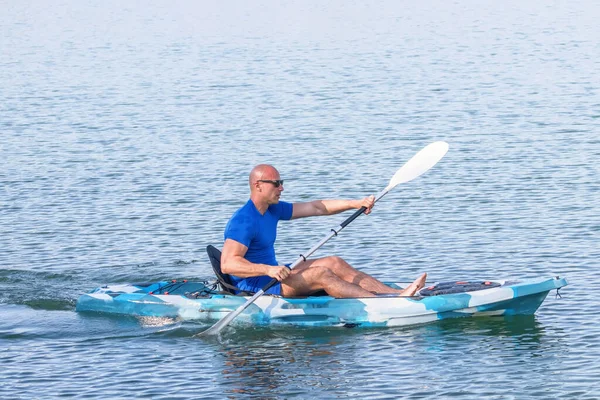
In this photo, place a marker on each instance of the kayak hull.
(194, 301)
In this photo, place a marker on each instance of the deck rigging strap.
(457, 287)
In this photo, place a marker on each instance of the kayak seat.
(225, 281)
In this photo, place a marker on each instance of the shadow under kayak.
(201, 301)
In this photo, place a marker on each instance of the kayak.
(202, 301)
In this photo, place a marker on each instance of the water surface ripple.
(127, 133)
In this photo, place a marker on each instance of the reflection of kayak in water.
(203, 302)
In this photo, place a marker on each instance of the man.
(249, 254)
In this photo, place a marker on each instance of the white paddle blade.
(421, 162)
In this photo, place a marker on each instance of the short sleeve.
(240, 228)
(283, 210)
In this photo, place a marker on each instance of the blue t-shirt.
(257, 232)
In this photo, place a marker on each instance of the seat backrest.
(225, 281)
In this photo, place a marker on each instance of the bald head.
(265, 186)
(262, 171)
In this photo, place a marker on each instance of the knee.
(323, 273)
(335, 261)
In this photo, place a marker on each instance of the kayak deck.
(200, 301)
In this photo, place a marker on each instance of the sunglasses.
(275, 183)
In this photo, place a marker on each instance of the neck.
(260, 204)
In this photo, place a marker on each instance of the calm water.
(127, 131)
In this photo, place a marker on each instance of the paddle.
(415, 167)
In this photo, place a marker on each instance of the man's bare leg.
(411, 289)
(346, 272)
(305, 281)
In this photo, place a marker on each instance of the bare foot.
(415, 286)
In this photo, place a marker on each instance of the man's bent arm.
(234, 263)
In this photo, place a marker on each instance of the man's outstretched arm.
(330, 207)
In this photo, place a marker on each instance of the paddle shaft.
(316, 247)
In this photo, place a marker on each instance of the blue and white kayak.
(202, 302)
